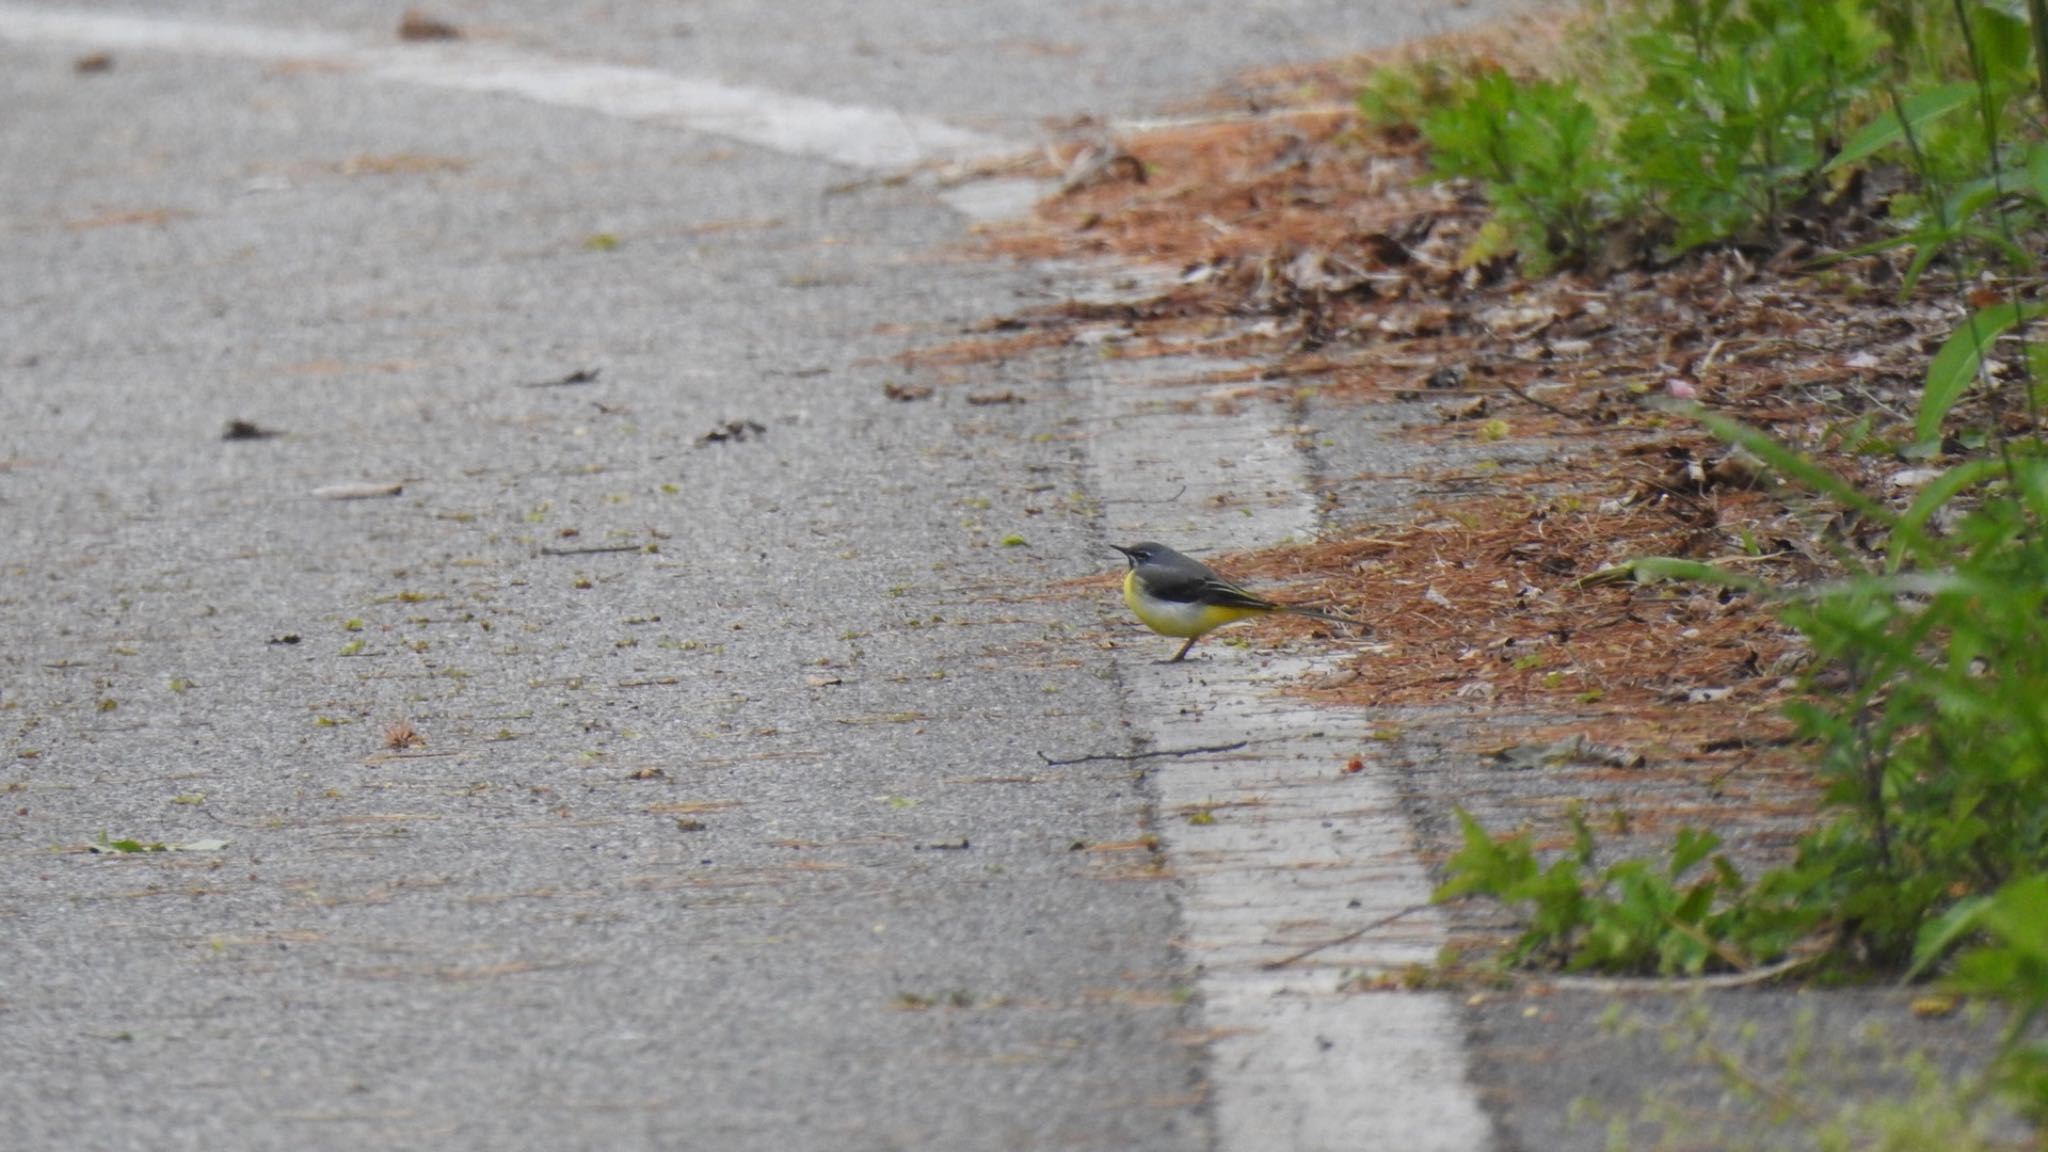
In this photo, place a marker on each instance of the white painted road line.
(116, 33)
(860, 137)
(1298, 857)
(1297, 853)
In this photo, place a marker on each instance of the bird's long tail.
(1319, 614)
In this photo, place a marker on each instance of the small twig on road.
(1348, 937)
(1177, 494)
(593, 550)
(1546, 405)
(388, 757)
(580, 376)
(1763, 975)
(1155, 753)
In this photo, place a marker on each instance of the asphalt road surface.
(725, 825)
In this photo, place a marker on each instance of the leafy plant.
(2011, 965)
(1701, 121)
(1961, 360)
(1538, 148)
(1404, 95)
(1739, 107)
(1934, 748)
(1689, 913)
(1705, 121)
(1970, 180)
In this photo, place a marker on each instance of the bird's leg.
(1183, 653)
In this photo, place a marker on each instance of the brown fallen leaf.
(93, 62)
(403, 735)
(1101, 162)
(117, 219)
(1468, 410)
(399, 164)
(733, 431)
(358, 491)
(691, 807)
(906, 392)
(1935, 1005)
(247, 430)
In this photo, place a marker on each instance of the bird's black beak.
(1127, 554)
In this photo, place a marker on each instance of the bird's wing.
(1184, 580)
(1218, 591)
(1209, 588)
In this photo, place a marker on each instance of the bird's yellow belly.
(1170, 618)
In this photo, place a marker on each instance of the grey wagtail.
(1176, 595)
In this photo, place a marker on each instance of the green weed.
(1694, 122)
(1537, 147)
(1698, 122)
(1681, 916)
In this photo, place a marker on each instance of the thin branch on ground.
(594, 550)
(1754, 976)
(1348, 937)
(1518, 391)
(1154, 754)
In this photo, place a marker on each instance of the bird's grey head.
(1145, 552)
